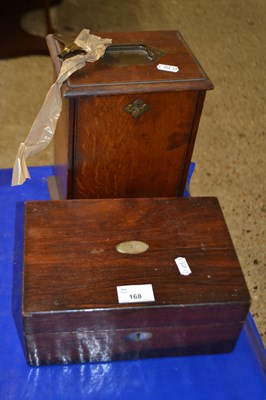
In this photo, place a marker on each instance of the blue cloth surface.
(237, 375)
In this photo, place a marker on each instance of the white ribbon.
(43, 128)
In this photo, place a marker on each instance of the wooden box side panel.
(117, 155)
(99, 346)
(63, 150)
(193, 136)
(130, 317)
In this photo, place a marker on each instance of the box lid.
(130, 65)
(71, 262)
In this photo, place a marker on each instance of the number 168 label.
(135, 293)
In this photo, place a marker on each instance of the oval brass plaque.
(132, 247)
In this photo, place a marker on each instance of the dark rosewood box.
(75, 258)
(127, 129)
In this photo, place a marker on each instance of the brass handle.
(131, 48)
(130, 54)
(137, 108)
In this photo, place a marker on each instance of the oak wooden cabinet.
(127, 129)
(73, 265)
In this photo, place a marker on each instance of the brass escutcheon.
(139, 336)
(137, 108)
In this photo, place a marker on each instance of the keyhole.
(138, 336)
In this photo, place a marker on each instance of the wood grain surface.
(101, 78)
(117, 155)
(101, 150)
(72, 270)
(71, 246)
